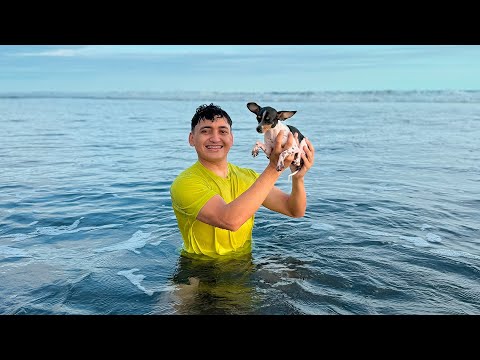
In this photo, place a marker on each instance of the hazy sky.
(225, 68)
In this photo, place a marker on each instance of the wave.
(435, 96)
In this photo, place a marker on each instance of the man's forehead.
(216, 122)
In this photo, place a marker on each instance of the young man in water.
(215, 201)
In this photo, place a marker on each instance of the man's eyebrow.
(209, 127)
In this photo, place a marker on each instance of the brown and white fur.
(269, 124)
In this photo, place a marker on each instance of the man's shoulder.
(182, 186)
(188, 173)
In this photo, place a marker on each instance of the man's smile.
(214, 147)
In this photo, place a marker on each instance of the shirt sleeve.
(189, 194)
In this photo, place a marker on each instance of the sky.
(243, 68)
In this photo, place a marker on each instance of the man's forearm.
(297, 201)
(242, 208)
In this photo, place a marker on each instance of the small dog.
(268, 124)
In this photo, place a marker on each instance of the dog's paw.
(254, 153)
(280, 166)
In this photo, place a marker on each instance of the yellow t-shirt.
(191, 190)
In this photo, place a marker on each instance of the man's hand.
(308, 159)
(278, 149)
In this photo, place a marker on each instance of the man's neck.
(219, 168)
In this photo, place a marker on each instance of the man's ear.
(190, 139)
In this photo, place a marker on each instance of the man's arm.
(233, 215)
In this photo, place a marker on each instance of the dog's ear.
(284, 115)
(253, 107)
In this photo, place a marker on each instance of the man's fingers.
(309, 145)
(309, 152)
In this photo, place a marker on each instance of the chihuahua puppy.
(269, 124)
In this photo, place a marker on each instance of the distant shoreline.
(463, 96)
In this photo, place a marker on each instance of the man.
(215, 201)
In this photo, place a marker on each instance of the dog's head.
(267, 116)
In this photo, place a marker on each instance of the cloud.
(53, 53)
(320, 52)
(105, 51)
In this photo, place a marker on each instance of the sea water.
(392, 223)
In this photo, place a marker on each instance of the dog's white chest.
(271, 135)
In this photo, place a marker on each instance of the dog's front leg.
(297, 159)
(283, 155)
(257, 147)
(281, 158)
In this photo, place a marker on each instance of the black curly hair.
(209, 112)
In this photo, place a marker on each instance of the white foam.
(323, 227)
(135, 279)
(417, 241)
(145, 226)
(56, 230)
(376, 233)
(455, 253)
(8, 251)
(18, 237)
(425, 226)
(433, 238)
(137, 241)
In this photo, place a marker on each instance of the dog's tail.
(293, 173)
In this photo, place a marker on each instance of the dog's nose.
(259, 129)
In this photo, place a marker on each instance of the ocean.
(392, 224)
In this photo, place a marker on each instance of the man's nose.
(215, 136)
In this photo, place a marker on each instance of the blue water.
(392, 223)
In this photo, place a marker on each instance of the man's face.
(212, 139)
